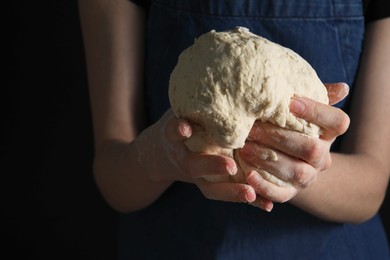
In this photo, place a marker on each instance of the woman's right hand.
(165, 158)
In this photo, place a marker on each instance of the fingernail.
(265, 204)
(232, 169)
(249, 198)
(248, 195)
(185, 130)
(297, 106)
(268, 207)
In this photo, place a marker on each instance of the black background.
(51, 205)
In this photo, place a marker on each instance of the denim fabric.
(328, 34)
(182, 224)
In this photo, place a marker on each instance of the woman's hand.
(299, 158)
(165, 158)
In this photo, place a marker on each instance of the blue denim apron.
(182, 224)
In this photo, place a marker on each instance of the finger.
(311, 150)
(201, 165)
(333, 120)
(269, 190)
(263, 203)
(224, 191)
(336, 92)
(283, 171)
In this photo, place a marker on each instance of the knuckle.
(327, 163)
(303, 176)
(342, 124)
(314, 152)
(299, 176)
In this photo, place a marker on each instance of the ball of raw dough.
(227, 80)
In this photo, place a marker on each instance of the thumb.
(177, 129)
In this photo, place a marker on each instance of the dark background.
(51, 205)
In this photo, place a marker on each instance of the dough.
(227, 80)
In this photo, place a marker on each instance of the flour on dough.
(227, 80)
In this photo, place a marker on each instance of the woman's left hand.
(299, 158)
